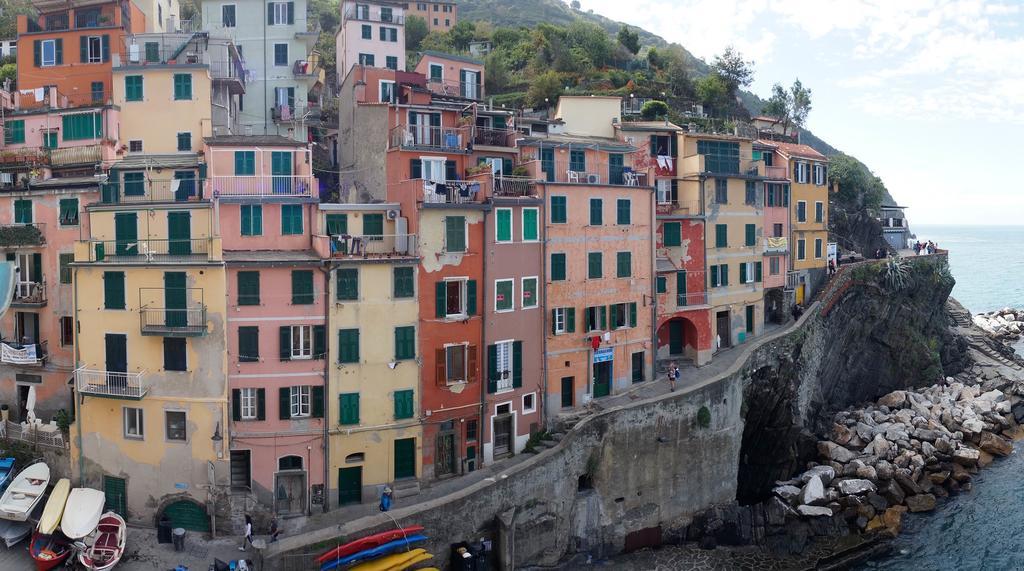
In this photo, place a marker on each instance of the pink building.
(454, 75)
(776, 229)
(277, 338)
(372, 33)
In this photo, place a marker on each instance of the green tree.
(713, 91)
(462, 34)
(498, 76)
(629, 39)
(9, 71)
(801, 103)
(790, 107)
(415, 30)
(654, 109)
(437, 41)
(575, 4)
(544, 90)
(9, 12)
(736, 71)
(591, 39)
(859, 188)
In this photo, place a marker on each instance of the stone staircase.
(406, 488)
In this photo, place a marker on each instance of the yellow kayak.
(54, 509)
(409, 563)
(390, 561)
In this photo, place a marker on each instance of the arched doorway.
(187, 514)
(774, 306)
(677, 340)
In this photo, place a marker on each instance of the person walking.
(247, 540)
(673, 376)
(274, 530)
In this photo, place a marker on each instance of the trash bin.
(163, 530)
(179, 538)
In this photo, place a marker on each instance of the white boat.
(104, 548)
(25, 491)
(14, 531)
(82, 512)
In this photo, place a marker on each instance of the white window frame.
(504, 366)
(664, 190)
(560, 318)
(133, 141)
(819, 248)
(430, 71)
(469, 89)
(233, 24)
(798, 203)
(819, 174)
(751, 267)
(53, 53)
(424, 161)
(463, 286)
(523, 224)
(248, 403)
(139, 416)
(536, 292)
(624, 312)
(300, 399)
(305, 342)
(533, 400)
(798, 248)
(280, 10)
(512, 295)
(818, 203)
(167, 435)
(380, 91)
(465, 363)
(511, 226)
(90, 56)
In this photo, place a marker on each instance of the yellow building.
(717, 171)
(809, 217)
(149, 291)
(375, 375)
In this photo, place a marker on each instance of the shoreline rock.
(1006, 324)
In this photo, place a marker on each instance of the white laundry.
(40, 94)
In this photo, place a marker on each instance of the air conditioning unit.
(593, 178)
(192, 58)
(392, 214)
(133, 53)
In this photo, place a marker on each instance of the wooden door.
(179, 233)
(350, 485)
(126, 234)
(676, 337)
(405, 458)
(175, 311)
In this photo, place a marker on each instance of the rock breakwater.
(1005, 324)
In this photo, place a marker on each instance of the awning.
(6, 286)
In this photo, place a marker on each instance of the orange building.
(441, 16)
(69, 47)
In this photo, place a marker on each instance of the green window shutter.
(319, 341)
(37, 267)
(757, 272)
(440, 299)
(302, 287)
(22, 211)
(588, 319)
(594, 265)
(623, 214)
(248, 288)
(317, 406)
(348, 345)
(714, 276)
(517, 364)
(721, 235)
(554, 321)
(113, 290)
(182, 86)
(570, 320)
(455, 233)
(623, 264)
(557, 267)
(415, 168)
(68, 211)
(248, 344)
(261, 404)
(403, 404)
(750, 318)
(470, 297)
(245, 163)
(578, 160)
(681, 287)
(632, 314)
(246, 212)
(152, 52)
(603, 310)
(58, 45)
(133, 88)
(291, 219)
(503, 232)
(596, 211)
(558, 210)
(37, 53)
(405, 342)
(662, 284)
(492, 368)
(503, 293)
(284, 339)
(750, 232)
(529, 294)
(530, 229)
(403, 282)
(349, 413)
(284, 398)
(65, 267)
(743, 272)
(14, 132)
(236, 405)
(348, 284)
(725, 274)
(373, 225)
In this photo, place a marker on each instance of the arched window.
(355, 458)
(289, 463)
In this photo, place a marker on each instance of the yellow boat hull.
(54, 509)
(393, 561)
(413, 561)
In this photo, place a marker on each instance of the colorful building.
(371, 34)
(449, 74)
(440, 16)
(777, 229)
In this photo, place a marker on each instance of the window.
(69, 212)
(403, 282)
(777, 230)
(818, 248)
(719, 275)
(819, 212)
(502, 371)
(531, 218)
(623, 264)
(622, 315)
(385, 14)
(455, 364)
(596, 207)
(722, 191)
(152, 52)
(661, 284)
(405, 342)
(133, 88)
(596, 318)
(751, 193)
(301, 346)
(563, 320)
(302, 287)
(578, 160)
(720, 156)
(749, 234)
(387, 92)
(367, 32)
(530, 403)
(558, 210)
(289, 462)
(97, 91)
(134, 427)
(819, 174)
(175, 422)
(347, 281)
(391, 62)
(14, 132)
(721, 236)
(184, 141)
(64, 263)
(252, 219)
(87, 18)
(280, 54)
(638, 366)
(174, 354)
(50, 52)
(22, 211)
(348, 345)
(503, 225)
(436, 71)
(529, 287)
(67, 331)
(557, 267)
(113, 290)
(247, 403)
(504, 295)
(455, 234)
(388, 34)
(49, 139)
(801, 211)
(671, 234)
(622, 212)
(456, 298)
(248, 344)
(182, 87)
(280, 13)
(594, 265)
(403, 404)
(291, 219)
(349, 403)
(301, 400)
(245, 163)
(366, 60)
(227, 15)
(135, 146)
(248, 288)
(80, 126)
(801, 249)
(773, 265)
(92, 49)
(750, 318)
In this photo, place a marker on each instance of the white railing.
(504, 384)
(375, 245)
(39, 433)
(265, 185)
(30, 292)
(110, 383)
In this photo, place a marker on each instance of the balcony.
(70, 156)
(429, 138)
(715, 165)
(290, 114)
(684, 300)
(776, 173)
(22, 235)
(29, 294)
(680, 208)
(23, 156)
(485, 137)
(602, 174)
(514, 187)
(306, 69)
(164, 322)
(367, 16)
(263, 186)
(111, 384)
(141, 191)
(24, 354)
(148, 251)
(451, 191)
(373, 246)
(455, 88)
(776, 245)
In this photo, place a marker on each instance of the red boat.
(368, 542)
(106, 545)
(48, 551)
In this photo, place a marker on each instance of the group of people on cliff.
(928, 247)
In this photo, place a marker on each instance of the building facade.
(778, 293)
(440, 16)
(371, 34)
(808, 217)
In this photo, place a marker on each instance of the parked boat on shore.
(49, 548)
(26, 490)
(104, 548)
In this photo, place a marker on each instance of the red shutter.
(439, 368)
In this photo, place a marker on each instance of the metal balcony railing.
(261, 186)
(451, 191)
(150, 250)
(691, 299)
(368, 16)
(295, 113)
(29, 294)
(164, 322)
(113, 384)
(455, 88)
(167, 190)
(27, 235)
(25, 354)
(373, 246)
(421, 136)
(680, 208)
(514, 187)
(494, 137)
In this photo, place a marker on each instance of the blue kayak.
(6, 472)
(395, 545)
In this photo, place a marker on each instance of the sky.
(928, 93)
